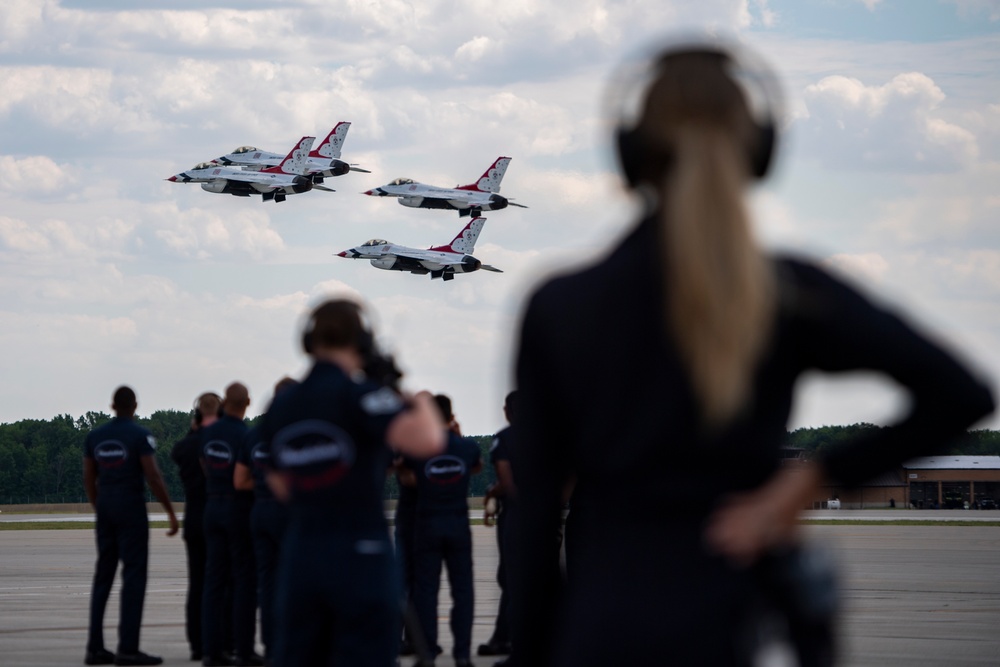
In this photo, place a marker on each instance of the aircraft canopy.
(205, 165)
(244, 149)
(402, 181)
(374, 242)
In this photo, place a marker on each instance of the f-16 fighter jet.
(275, 183)
(441, 262)
(323, 161)
(470, 199)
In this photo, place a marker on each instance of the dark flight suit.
(229, 545)
(338, 583)
(500, 451)
(122, 527)
(443, 536)
(187, 454)
(267, 525)
(404, 530)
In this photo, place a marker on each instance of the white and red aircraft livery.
(470, 199)
(287, 178)
(322, 161)
(441, 262)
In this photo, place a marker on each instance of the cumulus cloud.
(865, 268)
(892, 126)
(33, 174)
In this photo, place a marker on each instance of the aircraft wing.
(425, 256)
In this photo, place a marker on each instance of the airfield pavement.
(911, 594)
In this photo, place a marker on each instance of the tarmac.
(911, 594)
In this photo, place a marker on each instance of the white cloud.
(870, 5)
(865, 268)
(34, 174)
(891, 126)
(973, 8)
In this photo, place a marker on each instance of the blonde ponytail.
(719, 287)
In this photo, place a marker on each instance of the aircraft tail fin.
(465, 242)
(332, 144)
(295, 162)
(490, 180)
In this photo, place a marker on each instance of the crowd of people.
(654, 391)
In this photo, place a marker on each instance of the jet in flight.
(470, 199)
(287, 178)
(441, 262)
(323, 161)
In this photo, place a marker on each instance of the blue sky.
(109, 274)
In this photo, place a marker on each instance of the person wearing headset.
(331, 439)
(660, 378)
(187, 455)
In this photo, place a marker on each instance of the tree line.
(42, 461)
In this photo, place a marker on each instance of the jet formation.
(248, 170)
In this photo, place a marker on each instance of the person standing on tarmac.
(443, 535)
(267, 520)
(330, 438)
(117, 457)
(187, 455)
(697, 337)
(227, 537)
(502, 493)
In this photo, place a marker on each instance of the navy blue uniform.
(443, 536)
(338, 586)
(500, 451)
(405, 521)
(267, 525)
(607, 400)
(122, 527)
(187, 454)
(229, 546)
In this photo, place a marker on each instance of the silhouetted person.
(661, 379)
(230, 558)
(117, 457)
(187, 455)
(330, 438)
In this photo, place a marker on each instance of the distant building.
(931, 482)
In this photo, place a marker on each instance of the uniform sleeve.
(377, 407)
(539, 475)
(845, 331)
(146, 443)
(88, 446)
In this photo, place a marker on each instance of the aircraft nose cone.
(172, 179)
(368, 192)
(342, 254)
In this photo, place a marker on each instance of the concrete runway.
(912, 595)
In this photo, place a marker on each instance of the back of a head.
(696, 146)
(236, 400)
(444, 406)
(124, 402)
(207, 405)
(336, 324)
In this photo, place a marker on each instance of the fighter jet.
(275, 183)
(470, 199)
(441, 262)
(323, 161)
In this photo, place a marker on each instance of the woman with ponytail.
(659, 383)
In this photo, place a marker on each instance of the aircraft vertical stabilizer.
(465, 242)
(490, 180)
(331, 146)
(295, 162)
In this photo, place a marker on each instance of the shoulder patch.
(381, 402)
(151, 440)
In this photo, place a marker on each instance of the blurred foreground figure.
(661, 379)
(117, 457)
(330, 437)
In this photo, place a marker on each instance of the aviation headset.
(747, 71)
(197, 415)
